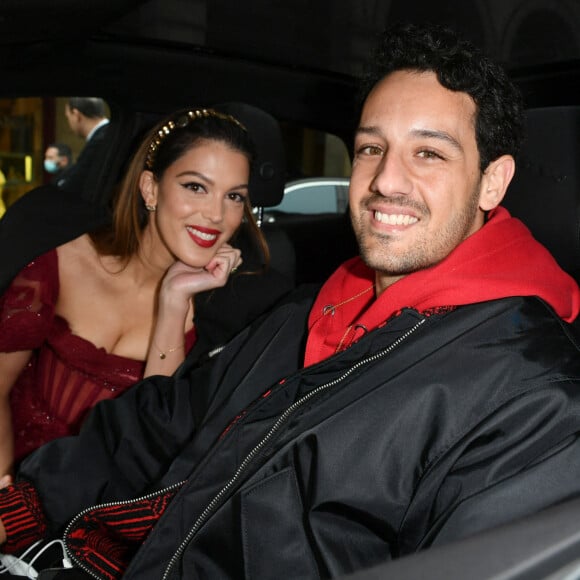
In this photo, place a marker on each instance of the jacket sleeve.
(523, 458)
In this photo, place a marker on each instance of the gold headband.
(182, 121)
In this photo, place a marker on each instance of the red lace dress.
(66, 375)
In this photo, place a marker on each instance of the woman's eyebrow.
(206, 179)
(190, 172)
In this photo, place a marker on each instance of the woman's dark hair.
(459, 66)
(169, 140)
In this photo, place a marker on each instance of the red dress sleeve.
(27, 307)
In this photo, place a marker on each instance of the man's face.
(73, 118)
(415, 185)
(51, 154)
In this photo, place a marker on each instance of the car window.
(314, 153)
(315, 195)
(318, 167)
(21, 140)
(28, 126)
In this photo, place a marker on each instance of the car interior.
(544, 191)
(291, 70)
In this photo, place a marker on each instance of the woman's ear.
(495, 182)
(148, 188)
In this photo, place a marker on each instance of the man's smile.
(394, 219)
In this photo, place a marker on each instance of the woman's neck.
(151, 260)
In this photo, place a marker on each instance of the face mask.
(50, 166)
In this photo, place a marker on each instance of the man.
(430, 392)
(87, 119)
(57, 159)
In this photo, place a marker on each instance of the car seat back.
(545, 191)
(267, 180)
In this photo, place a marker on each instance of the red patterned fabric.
(22, 517)
(67, 375)
(107, 538)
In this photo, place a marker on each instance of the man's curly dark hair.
(459, 66)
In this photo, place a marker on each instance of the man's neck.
(95, 128)
(382, 282)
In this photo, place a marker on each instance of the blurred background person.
(87, 118)
(57, 159)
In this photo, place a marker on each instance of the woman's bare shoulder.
(80, 251)
(78, 257)
(79, 246)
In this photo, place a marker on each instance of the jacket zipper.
(71, 524)
(215, 502)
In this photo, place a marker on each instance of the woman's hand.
(181, 281)
(226, 261)
(175, 308)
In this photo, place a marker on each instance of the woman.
(84, 322)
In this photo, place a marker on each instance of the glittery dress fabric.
(66, 375)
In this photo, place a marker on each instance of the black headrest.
(545, 191)
(269, 175)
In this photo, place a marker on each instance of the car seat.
(545, 190)
(268, 180)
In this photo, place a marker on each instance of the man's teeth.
(202, 235)
(395, 219)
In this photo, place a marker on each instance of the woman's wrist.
(174, 307)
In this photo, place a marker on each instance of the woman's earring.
(150, 207)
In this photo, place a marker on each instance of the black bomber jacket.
(426, 430)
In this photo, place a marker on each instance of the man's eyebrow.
(374, 130)
(368, 130)
(441, 135)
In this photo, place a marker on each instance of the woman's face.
(199, 201)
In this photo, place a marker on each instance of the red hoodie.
(501, 259)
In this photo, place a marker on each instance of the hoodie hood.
(500, 260)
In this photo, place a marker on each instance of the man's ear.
(495, 182)
(148, 187)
